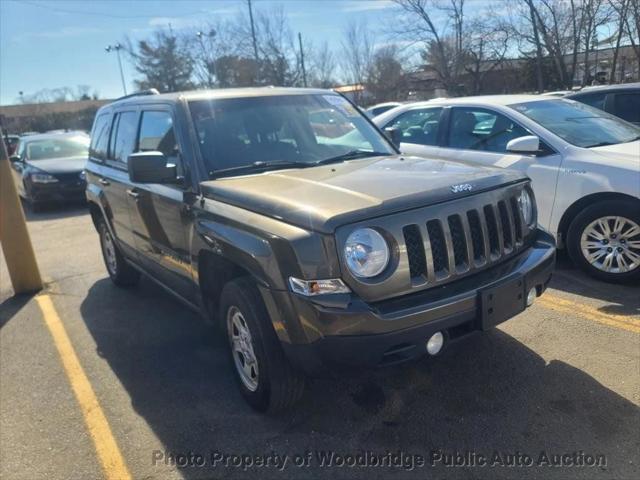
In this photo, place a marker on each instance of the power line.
(101, 14)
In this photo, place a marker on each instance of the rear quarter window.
(100, 137)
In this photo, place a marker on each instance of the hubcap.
(109, 252)
(244, 356)
(612, 244)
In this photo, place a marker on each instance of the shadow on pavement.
(488, 394)
(621, 299)
(11, 306)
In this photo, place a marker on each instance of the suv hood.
(325, 197)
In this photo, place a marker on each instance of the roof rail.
(149, 91)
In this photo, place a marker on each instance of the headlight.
(43, 178)
(366, 253)
(526, 207)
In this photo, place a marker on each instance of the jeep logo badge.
(463, 187)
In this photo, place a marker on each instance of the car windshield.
(579, 124)
(57, 147)
(281, 131)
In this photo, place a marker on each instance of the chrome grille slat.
(431, 274)
(451, 260)
(518, 219)
(506, 221)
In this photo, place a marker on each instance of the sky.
(46, 44)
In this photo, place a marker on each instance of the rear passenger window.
(157, 135)
(100, 137)
(627, 106)
(123, 140)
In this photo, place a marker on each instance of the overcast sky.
(58, 43)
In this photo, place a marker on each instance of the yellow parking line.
(108, 453)
(563, 305)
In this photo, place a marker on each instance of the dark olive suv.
(314, 247)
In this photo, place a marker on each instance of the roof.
(46, 136)
(220, 93)
(601, 88)
(487, 99)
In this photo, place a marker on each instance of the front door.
(481, 135)
(161, 219)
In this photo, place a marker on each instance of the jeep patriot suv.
(313, 246)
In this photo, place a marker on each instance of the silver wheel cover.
(244, 357)
(612, 244)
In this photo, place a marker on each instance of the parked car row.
(584, 164)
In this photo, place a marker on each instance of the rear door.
(480, 135)
(159, 215)
(114, 177)
(625, 105)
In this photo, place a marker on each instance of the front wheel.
(266, 379)
(604, 240)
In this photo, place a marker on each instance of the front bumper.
(58, 192)
(339, 333)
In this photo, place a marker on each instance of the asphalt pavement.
(552, 393)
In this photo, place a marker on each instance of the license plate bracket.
(501, 302)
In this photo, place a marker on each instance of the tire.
(270, 384)
(607, 248)
(120, 272)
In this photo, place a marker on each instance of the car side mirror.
(15, 159)
(394, 134)
(526, 144)
(151, 167)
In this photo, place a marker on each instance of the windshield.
(282, 131)
(579, 124)
(57, 148)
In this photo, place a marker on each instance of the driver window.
(479, 129)
(418, 126)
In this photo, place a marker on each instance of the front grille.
(415, 251)
(463, 241)
(438, 246)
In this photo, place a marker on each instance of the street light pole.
(117, 47)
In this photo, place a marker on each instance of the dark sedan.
(49, 167)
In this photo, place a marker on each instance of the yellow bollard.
(14, 236)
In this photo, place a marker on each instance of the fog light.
(531, 296)
(434, 344)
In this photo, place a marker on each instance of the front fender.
(95, 195)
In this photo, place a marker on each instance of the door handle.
(104, 181)
(133, 193)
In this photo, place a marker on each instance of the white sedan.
(584, 165)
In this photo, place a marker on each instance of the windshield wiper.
(350, 155)
(261, 166)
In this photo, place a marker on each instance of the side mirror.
(394, 134)
(151, 167)
(15, 159)
(527, 144)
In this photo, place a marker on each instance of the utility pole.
(117, 47)
(253, 32)
(304, 72)
(209, 63)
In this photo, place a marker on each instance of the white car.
(584, 165)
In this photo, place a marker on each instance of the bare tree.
(322, 66)
(357, 49)
(386, 79)
(485, 45)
